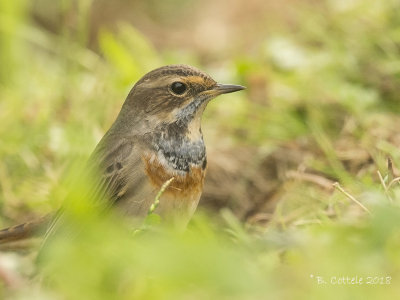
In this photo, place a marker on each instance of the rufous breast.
(185, 184)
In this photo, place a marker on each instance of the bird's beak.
(219, 88)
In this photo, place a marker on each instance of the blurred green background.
(321, 106)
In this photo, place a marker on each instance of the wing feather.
(110, 173)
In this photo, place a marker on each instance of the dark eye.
(178, 88)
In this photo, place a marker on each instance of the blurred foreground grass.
(323, 92)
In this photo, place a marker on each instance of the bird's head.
(174, 94)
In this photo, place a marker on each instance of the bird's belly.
(177, 203)
(178, 210)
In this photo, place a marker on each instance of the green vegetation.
(323, 91)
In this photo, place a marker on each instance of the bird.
(155, 139)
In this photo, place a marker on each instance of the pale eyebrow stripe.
(163, 81)
(196, 79)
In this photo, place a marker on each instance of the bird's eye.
(178, 88)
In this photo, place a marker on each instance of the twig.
(390, 168)
(160, 192)
(313, 178)
(382, 180)
(386, 188)
(339, 188)
(154, 205)
(397, 179)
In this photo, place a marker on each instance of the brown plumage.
(24, 230)
(156, 136)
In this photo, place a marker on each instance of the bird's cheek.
(194, 131)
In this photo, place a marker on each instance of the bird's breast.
(185, 183)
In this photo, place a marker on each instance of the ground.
(301, 197)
